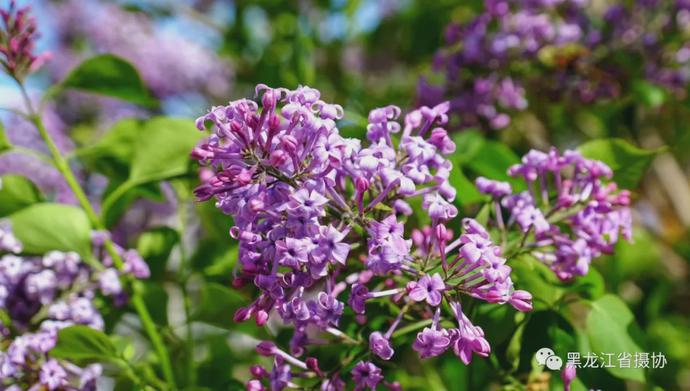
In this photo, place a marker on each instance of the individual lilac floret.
(8, 242)
(432, 341)
(366, 375)
(380, 345)
(52, 375)
(429, 288)
(467, 338)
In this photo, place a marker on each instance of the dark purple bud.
(313, 364)
(266, 348)
(242, 314)
(258, 372)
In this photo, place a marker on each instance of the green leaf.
(467, 192)
(216, 371)
(17, 192)
(628, 162)
(47, 226)
(112, 76)
(648, 93)
(535, 277)
(4, 141)
(590, 286)
(112, 154)
(162, 151)
(468, 143)
(159, 151)
(82, 345)
(492, 159)
(218, 305)
(638, 258)
(155, 247)
(609, 327)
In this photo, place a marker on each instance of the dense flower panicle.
(488, 59)
(40, 296)
(18, 37)
(507, 32)
(316, 213)
(574, 214)
(188, 66)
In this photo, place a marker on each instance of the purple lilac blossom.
(189, 66)
(366, 375)
(597, 213)
(316, 214)
(42, 295)
(18, 37)
(489, 60)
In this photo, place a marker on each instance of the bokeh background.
(630, 84)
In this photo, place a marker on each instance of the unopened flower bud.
(266, 348)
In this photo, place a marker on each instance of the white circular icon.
(554, 363)
(543, 354)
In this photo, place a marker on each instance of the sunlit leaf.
(109, 75)
(17, 192)
(46, 226)
(82, 345)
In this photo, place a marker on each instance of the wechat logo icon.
(546, 356)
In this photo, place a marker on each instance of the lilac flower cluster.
(489, 61)
(572, 212)
(506, 34)
(657, 31)
(40, 296)
(17, 41)
(135, 36)
(316, 213)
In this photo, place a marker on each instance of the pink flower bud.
(278, 158)
(242, 314)
(521, 300)
(261, 317)
(568, 375)
(361, 184)
(255, 385)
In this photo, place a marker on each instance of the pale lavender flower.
(431, 342)
(428, 288)
(380, 345)
(52, 375)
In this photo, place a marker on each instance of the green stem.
(64, 168)
(184, 278)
